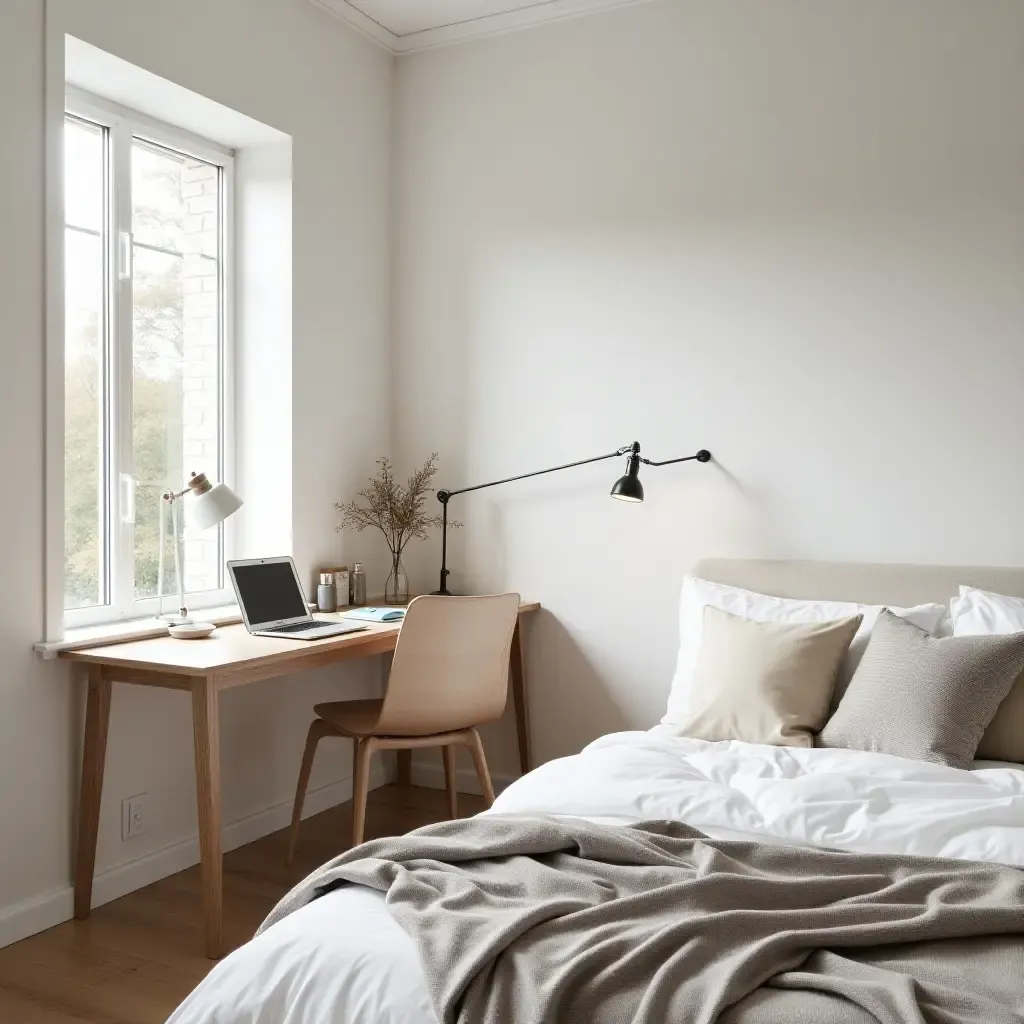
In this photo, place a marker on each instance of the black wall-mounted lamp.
(626, 488)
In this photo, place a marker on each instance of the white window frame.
(124, 125)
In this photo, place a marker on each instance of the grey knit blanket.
(534, 919)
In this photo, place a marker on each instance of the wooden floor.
(135, 959)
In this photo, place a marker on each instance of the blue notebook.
(376, 614)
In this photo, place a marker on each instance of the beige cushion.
(1004, 737)
(765, 682)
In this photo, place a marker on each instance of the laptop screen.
(269, 592)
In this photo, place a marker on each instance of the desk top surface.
(233, 646)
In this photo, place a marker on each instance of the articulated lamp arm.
(626, 488)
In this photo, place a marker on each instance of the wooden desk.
(231, 657)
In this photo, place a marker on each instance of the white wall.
(263, 346)
(285, 64)
(790, 232)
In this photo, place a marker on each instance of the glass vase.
(396, 590)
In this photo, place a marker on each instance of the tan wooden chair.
(449, 675)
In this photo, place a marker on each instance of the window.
(147, 374)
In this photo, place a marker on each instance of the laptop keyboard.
(301, 627)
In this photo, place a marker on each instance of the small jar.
(327, 593)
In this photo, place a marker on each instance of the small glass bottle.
(358, 585)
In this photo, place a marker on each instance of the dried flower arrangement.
(397, 511)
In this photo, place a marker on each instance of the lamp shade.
(628, 488)
(213, 503)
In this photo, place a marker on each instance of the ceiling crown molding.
(346, 12)
(444, 35)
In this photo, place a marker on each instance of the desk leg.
(94, 756)
(206, 727)
(522, 708)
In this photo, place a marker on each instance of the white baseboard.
(432, 776)
(36, 915)
(49, 909)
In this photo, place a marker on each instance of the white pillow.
(698, 593)
(981, 613)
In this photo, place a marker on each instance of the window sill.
(125, 630)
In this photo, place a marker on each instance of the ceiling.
(406, 25)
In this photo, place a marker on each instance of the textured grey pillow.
(924, 697)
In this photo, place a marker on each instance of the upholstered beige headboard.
(861, 582)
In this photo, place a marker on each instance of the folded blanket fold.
(537, 919)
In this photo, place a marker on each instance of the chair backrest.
(450, 668)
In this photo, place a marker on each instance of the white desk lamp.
(213, 504)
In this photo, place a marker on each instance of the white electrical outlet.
(134, 811)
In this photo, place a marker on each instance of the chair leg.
(448, 753)
(317, 731)
(360, 787)
(476, 748)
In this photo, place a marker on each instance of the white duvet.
(342, 960)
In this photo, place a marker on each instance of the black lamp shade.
(628, 487)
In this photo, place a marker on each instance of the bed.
(343, 959)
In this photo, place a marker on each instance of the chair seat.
(359, 718)
(351, 717)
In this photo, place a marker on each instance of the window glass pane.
(84, 511)
(175, 357)
(175, 201)
(83, 174)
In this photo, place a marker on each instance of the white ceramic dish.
(191, 630)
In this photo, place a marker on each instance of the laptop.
(272, 603)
